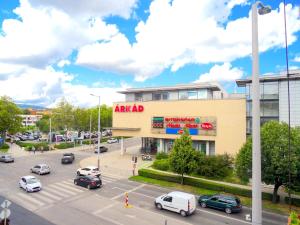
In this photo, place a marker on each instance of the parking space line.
(69, 187)
(128, 191)
(44, 192)
(56, 192)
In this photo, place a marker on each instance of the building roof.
(293, 75)
(210, 85)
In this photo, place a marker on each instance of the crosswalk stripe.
(31, 199)
(108, 179)
(56, 192)
(62, 189)
(44, 192)
(43, 198)
(112, 176)
(69, 187)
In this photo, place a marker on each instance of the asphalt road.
(63, 203)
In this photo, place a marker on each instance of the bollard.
(126, 200)
(166, 222)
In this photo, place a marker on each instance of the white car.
(30, 184)
(177, 201)
(112, 140)
(40, 169)
(88, 171)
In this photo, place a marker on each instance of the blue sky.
(49, 50)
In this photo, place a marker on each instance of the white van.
(176, 201)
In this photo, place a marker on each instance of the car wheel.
(78, 173)
(31, 170)
(26, 189)
(183, 213)
(228, 210)
(89, 187)
(203, 204)
(158, 205)
(75, 182)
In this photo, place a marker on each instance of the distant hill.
(26, 106)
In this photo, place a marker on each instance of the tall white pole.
(50, 139)
(256, 151)
(90, 135)
(99, 134)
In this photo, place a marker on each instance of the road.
(61, 202)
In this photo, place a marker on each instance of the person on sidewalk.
(33, 149)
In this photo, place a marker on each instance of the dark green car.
(222, 202)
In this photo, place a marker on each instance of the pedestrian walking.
(33, 149)
(42, 149)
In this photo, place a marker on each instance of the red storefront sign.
(129, 108)
(207, 126)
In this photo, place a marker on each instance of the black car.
(102, 149)
(67, 158)
(89, 182)
(223, 202)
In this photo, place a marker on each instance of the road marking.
(69, 187)
(128, 191)
(31, 199)
(227, 217)
(112, 176)
(50, 195)
(108, 179)
(104, 208)
(138, 193)
(56, 192)
(61, 189)
(43, 198)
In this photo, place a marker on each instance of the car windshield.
(96, 169)
(8, 156)
(32, 181)
(67, 156)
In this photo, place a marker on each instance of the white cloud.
(297, 59)
(222, 73)
(47, 86)
(180, 32)
(42, 36)
(63, 62)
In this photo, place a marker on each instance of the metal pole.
(98, 159)
(50, 139)
(256, 151)
(90, 129)
(289, 107)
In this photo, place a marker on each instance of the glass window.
(248, 91)
(165, 95)
(269, 108)
(202, 94)
(183, 95)
(249, 108)
(249, 125)
(192, 95)
(156, 96)
(270, 90)
(138, 97)
(168, 199)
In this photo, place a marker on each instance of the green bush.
(161, 164)
(64, 145)
(37, 145)
(295, 201)
(215, 166)
(4, 146)
(201, 183)
(162, 155)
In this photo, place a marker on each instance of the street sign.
(5, 204)
(5, 213)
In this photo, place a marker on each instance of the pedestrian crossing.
(51, 194)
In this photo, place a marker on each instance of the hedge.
(201, 183)
(295, 201)
(162, 155)
(64, 145)
(4, 146)
(28, 145)
(161, 164)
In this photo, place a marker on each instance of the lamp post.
(256, 148)
(98, 155)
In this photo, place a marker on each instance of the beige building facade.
(215, 119)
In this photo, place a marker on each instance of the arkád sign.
(129, 108)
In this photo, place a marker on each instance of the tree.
(43, 124)
(62, 117)
(183, 156)
(274, 156)
(10, 121)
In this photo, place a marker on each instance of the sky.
(53, 49)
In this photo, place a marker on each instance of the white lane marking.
(227, 217)
(56, 192)
(30, 198)
(104, 208)
(109, 220)
(128, 191)
(137, 193)
(43, 198)
(69, 187)
(112, 176)
(44, 192)
(61, 189)
(108, 178)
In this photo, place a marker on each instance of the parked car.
(67, 158)
(222, 202)
(40, 169)
(6, 158)
(112, 140)
(89, 182)
(102, 149)
(89, 171)
(177, 201)
(30, 184)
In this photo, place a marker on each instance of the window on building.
(165, 95)
(202, 94)
(192, 95)
(138, 97)
(211, 148)
(270, 90)
(183, 95)
(269, 108)
(156, 96)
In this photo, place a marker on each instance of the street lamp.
(256, 148)
(98, 155)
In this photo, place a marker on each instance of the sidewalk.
(116, 164)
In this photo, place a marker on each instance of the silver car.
(6, 158)
(40, 169)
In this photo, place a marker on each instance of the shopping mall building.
(215, 119)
